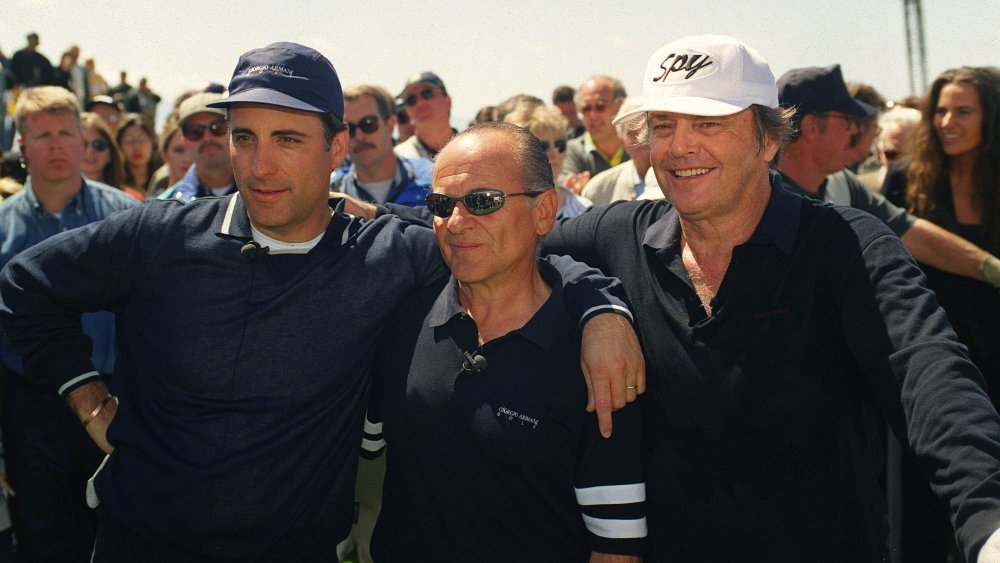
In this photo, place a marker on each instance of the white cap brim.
(685, 105)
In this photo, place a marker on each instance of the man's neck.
(434, 137)
(53, 195)
(608, 146)
(797, 166)
(707, 243)
(378, 172)
(214, 178)
(501, 307)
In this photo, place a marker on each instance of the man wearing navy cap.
(813, 164)
(429, 106)
(240, 445)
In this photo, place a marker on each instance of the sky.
(487, 51)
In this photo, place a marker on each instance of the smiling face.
(709, 167)
(499, 246)
(958, 119)
(53, 147)
(282, 167)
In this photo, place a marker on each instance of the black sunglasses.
(560, 145)
(426, 94)
(217, 128)
(368, 125)
(97, 144)
(480, 201)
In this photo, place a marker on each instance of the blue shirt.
(23, 224)
(189, 187)
(409, 187)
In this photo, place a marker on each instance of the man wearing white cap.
(205, 135)
(778, 333)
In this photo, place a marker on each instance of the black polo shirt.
(761, 422)
(503, 464)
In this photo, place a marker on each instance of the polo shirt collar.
(234, 221)
(78, 201)
(547, 328)
(778, 226)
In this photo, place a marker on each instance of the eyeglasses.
(599, 107)
(98, 145)
(426, 93)
(217, 128)
(560, 145)
(480, 201)
(368, 125)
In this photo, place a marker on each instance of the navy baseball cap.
(815, 90)
(286, 75)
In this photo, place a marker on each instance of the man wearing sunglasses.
(376, 174)
(814, 162)
(490, 454)
(600, 148)
(49, 456)
(206, 138)
(429, 107)
(626, 181)
(240, 442)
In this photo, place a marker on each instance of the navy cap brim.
(265, 96)
(856, 108)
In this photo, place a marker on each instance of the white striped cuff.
(611, 494)
(616, 529)
(78, 379)
(618, 308)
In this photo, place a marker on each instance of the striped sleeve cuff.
(77, 382)
(601, 309)
(614, 511)
(372, 440)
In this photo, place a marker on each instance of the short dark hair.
(563, 94)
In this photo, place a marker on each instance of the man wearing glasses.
(206, 137)
(376, 174)
(813, 165)
(240, 444)
(600, 148)
(491, 457)
(49, 456)
(429, 107)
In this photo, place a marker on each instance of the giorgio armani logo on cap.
(273, 69)
(685, 65)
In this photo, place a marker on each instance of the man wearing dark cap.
(813, 164)
(205, 135)
(429, 107)
(107, 108)
(780, 333)
(237, 434)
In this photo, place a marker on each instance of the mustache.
(362, 145)
(206, 145)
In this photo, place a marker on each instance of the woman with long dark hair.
(137, 141)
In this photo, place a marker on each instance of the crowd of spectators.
(933, 159)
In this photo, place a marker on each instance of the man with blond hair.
(49, 455)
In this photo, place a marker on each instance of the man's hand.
(355, 206)
(597, 557)
(613, 366)
(87, 399)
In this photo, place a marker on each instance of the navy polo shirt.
(503, 464)
(761, 422)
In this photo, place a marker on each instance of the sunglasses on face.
(368, 125)
(426, 93)
(98, 145)
(560, 145)
(481, 201)
(599, 107)
(217, 128)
